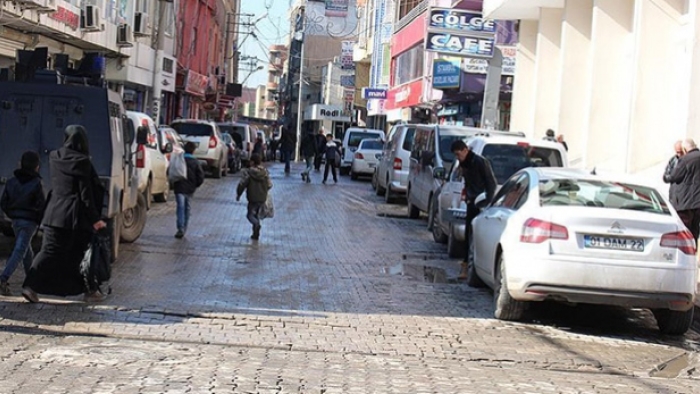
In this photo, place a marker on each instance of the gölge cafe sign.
(460, 33)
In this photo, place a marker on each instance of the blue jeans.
(309, 164)
(286, 158)
(183, 211)
(24, 232)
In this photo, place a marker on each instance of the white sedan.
(366, 157)
(565, 234)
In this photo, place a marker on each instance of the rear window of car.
(227, 138)
(193, 129)
(507, 159)
(357, 136)
(372, 144)
(601, 194)
(446, 146)
(408, 139)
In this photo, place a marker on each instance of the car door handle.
(496, 217)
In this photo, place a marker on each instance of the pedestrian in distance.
(309, 152)
(478, 178)
(332, 153)
(256, 183)
(685, 176)
(320, 146)
(23, 202)
(185, 188)
(550, 136)
(560, 139)
(672, 163)
(258, 146)
(287, 145)
(73, 214)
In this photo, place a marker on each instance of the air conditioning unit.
(141, 24)
(125, 37)
(90, 19)
(38, 5)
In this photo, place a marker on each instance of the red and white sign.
(196, 84)
(406, 95)
(67, 17)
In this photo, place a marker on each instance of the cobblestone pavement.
(342, 294)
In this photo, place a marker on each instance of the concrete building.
(278, 56)
(616, 77)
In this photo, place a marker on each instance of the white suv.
(391, 176)
(211, 150)
(151, 160)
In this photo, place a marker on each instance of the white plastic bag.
(268, 210)
(177, 170)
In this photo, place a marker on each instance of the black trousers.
(330, 164)
(691, 219)
(472, 212)
(317, 162)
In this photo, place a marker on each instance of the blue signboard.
(445, 74)
(371, 93)
(460, 20)
(347, 81)
(460, 44)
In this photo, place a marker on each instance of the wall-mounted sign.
(346, 50)
(460, 20)
(325, 112)
(347, 80)
(376, 107)
(373, 93)
(337, 7)
(196, 84)
(480, 66)
(460, 44)
(67, 17)
(446, 74)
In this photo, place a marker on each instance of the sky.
(272, 29)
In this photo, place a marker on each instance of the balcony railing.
(413, 14)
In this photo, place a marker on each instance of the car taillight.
(141, 157)
(358, 155)
(397, 163)
(536, 231)
(212, 142)
(682, 240)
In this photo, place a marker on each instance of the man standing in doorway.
(686, 176)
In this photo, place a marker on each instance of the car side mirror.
(142, 135)
(480, 201)
(168, 148)
(439, 173)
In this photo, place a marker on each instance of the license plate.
(613, 243)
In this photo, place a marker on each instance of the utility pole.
(158, 43)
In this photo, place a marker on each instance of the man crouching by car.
(478, 178)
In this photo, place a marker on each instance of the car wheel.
(473, 279)
(148, 193)
(673, 322)
(413, 211)
(133, 221)
(224, 167)
(455, 248)
(438, 235)
(505, 307)
(374, 183)
(380, 190)
(388, 195)
(163, 197)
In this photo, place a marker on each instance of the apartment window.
(409, 65)
(405, 6)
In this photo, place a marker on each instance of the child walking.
(256, 183)
(22, 201)
(184, 189)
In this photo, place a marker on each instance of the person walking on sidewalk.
(309, 151)
(22, 201)
(288, 144)
(184, 189)
(686, 177)
(332, 153)
(320, 145)
(73, 214)
(256, 183)
(478, 178)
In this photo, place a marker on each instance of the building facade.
(278, 56)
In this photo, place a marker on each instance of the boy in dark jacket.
(332, 152)
(22, 201)
(256, 183)
(184, 189)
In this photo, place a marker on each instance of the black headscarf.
(75, 138)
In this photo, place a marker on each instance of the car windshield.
(193, 129)
(372, 145)
(446, 146)
(507, 159)
(357, 136)
(601, 194)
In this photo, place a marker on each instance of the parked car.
(167, 134)
(211, 150)
(351, 140)
(244, 136)
(366, 158)
(507, 155)
(565, 234)
(234, 154)
(151, 163)
(391, 177)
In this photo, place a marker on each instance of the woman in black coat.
(72, 215)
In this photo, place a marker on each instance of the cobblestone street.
(342, 294)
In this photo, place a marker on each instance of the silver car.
(391, 177)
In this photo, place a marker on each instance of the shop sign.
(337, 7)
(347, 80)
(325, 112)
(460, 20)
(481, 66)
(450, 110)
(376, 107)
(196, 84)
(446, 74)
(346, 50)
(67, 17)
(460, 44)
(405, 95)
(373, 93)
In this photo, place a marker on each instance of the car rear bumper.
(399, 181)
(363, 167)
(624, 284)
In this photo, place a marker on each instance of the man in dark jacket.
(686, 176)
(22, 201)
(256, 183)
(478, 178)
(288, 144)
(184, 189)
(309, 151)
(320, 147)
(678, 147)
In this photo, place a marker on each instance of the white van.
(351, 140)
(151, 163)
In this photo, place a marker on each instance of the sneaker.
(179, 234)
(303, 176)
(5, 289)
(324, 181)
(94, 296)
(30, 295)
